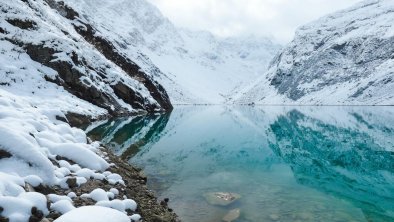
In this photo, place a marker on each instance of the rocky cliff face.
(75, 55)
(343, 58)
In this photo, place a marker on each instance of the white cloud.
(277, 18)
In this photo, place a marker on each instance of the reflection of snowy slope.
(377, 123)
(209, 134)
(346, 158)
(126, 135)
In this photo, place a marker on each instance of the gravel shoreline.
(149, 207)
(135, 185)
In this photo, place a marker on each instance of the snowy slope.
(342, 58)
(72, 56)
(193, 67)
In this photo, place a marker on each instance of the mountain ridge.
(344, 58)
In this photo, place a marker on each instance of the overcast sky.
(276, 18)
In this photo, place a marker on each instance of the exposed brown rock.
(22, 24)
(4, 154)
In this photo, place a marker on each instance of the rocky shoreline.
(149, 207)
(131, 186)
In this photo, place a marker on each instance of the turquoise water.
(287, 163)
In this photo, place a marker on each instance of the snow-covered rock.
(31, 140)
(19, 208)
(343, 58)
(93, 214)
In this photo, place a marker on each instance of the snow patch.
(93, 214)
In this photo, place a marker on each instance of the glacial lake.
(287, 163)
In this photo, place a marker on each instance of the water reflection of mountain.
(344, 152)
(348, 161)
(125, 136)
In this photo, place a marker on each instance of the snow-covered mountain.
(44, 44)
(193, 67)
(125, 50)
(343, 58)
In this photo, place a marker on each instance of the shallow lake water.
(287, 163)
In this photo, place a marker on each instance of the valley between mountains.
(69, 63)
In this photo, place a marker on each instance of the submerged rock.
(274, 217)
(221, 198)
(232, 215)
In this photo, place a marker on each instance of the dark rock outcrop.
(23, 24)
(4, 154)
(70, 79)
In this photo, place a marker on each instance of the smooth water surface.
(287, 163)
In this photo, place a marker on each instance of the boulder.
(232, 215)
(221, 198)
